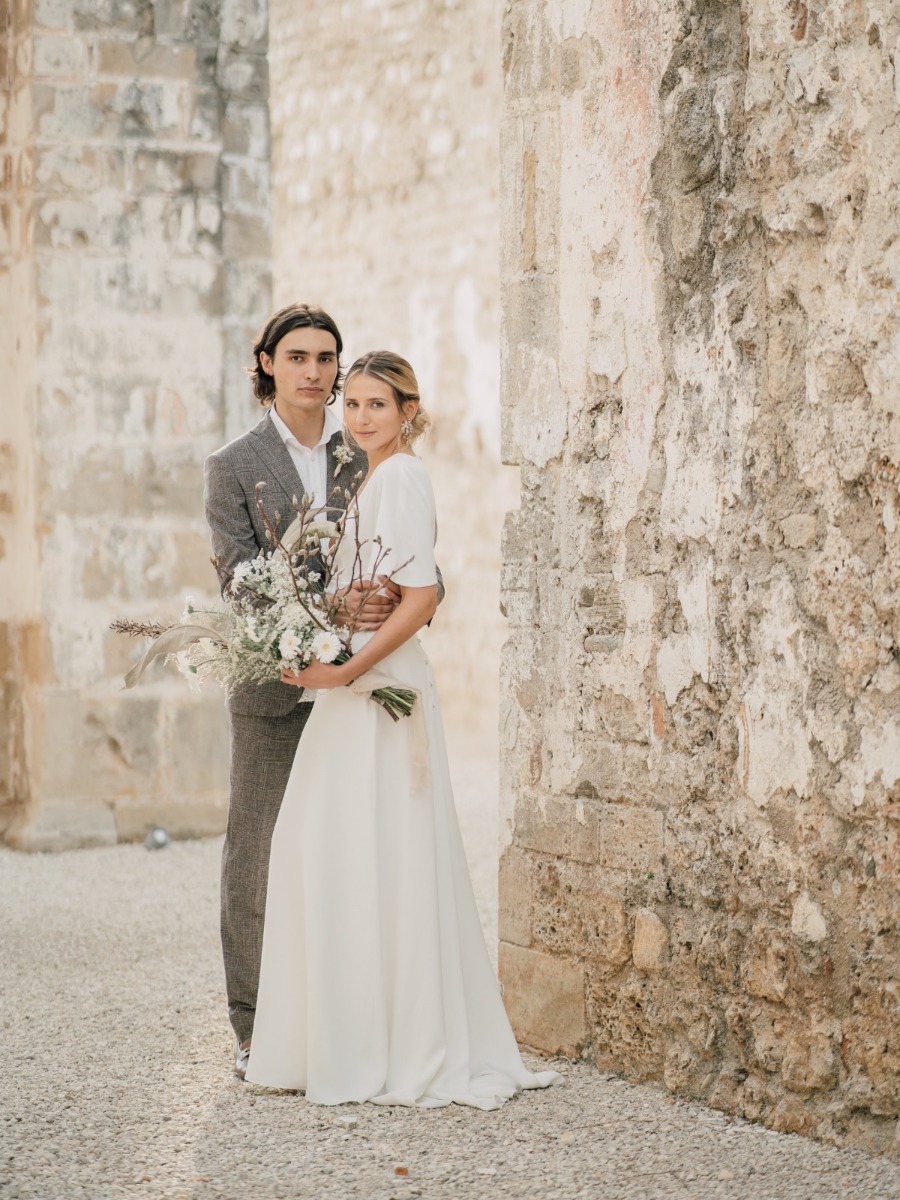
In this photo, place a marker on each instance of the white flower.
(254, 629)
(187, 668)
(326, 647)
(296, 614)
(289, 645)
(342, 456)
(314, 576)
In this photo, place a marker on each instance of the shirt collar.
(331, 426)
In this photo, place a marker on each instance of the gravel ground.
(117, 1072)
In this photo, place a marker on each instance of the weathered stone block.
(534, 428)
(520, 605)
(544, 997)
(197, 744)
(54, 56)
(599, 772)
(243, 75)
(146, 58)
(100, 749)
(192, 819)
(244, 24)
(531, 61)
(65, 113)
(765, 972)
(530, 229)
(193, 572)
(172, 171)
(789, 1116)
(66, 824)
(151, 483)
(247, 289)
(63, 168)
(193, 21)
(245, 235)
(631, 839)
(573, 915)
(628, 1023)
(807, 921)
(204, 122)
(514, 919)
(133, 17)
(246, 183)
(614, 836)
(246, 128)
(651, 941)
(46, 14)
(799, 530)
(138, 109)
(809, 1064)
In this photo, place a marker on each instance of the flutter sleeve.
(406, 523)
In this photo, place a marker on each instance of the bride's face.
(372, 415)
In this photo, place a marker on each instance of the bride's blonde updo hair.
(396, 372)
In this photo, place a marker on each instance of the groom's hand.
(368, 603)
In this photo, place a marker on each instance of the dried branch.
(151, 629)
(272, 535)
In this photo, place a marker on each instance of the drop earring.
(406, 431)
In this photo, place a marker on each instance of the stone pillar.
(20, 724)
(385, 194)
(136, 184)
(701, 691)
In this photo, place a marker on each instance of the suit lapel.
(275, 455)
(340, 475)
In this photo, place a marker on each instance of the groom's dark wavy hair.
(294, 316)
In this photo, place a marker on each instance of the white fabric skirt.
(376, 983)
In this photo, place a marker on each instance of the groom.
(297, 450)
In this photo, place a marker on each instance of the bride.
(375, 981)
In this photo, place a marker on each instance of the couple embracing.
(355, 965)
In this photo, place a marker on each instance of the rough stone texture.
(134, 261)
(544, 998)
(701, 688)
(386, 211)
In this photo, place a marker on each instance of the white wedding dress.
(376, 982)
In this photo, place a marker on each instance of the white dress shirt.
(312, 466)
(311, 463)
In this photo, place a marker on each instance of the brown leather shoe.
(241, 1058)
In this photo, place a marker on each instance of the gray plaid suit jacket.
(237, 530)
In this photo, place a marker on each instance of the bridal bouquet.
(279, 614)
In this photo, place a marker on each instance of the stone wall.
(19, 667)
(386, 211)
(135, 267)
(701, 687)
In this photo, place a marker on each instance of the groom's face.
(304, 367)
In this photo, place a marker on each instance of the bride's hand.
(317, 676)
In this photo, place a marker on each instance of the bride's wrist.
(346, 673)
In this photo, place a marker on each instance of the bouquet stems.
(396, 702)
